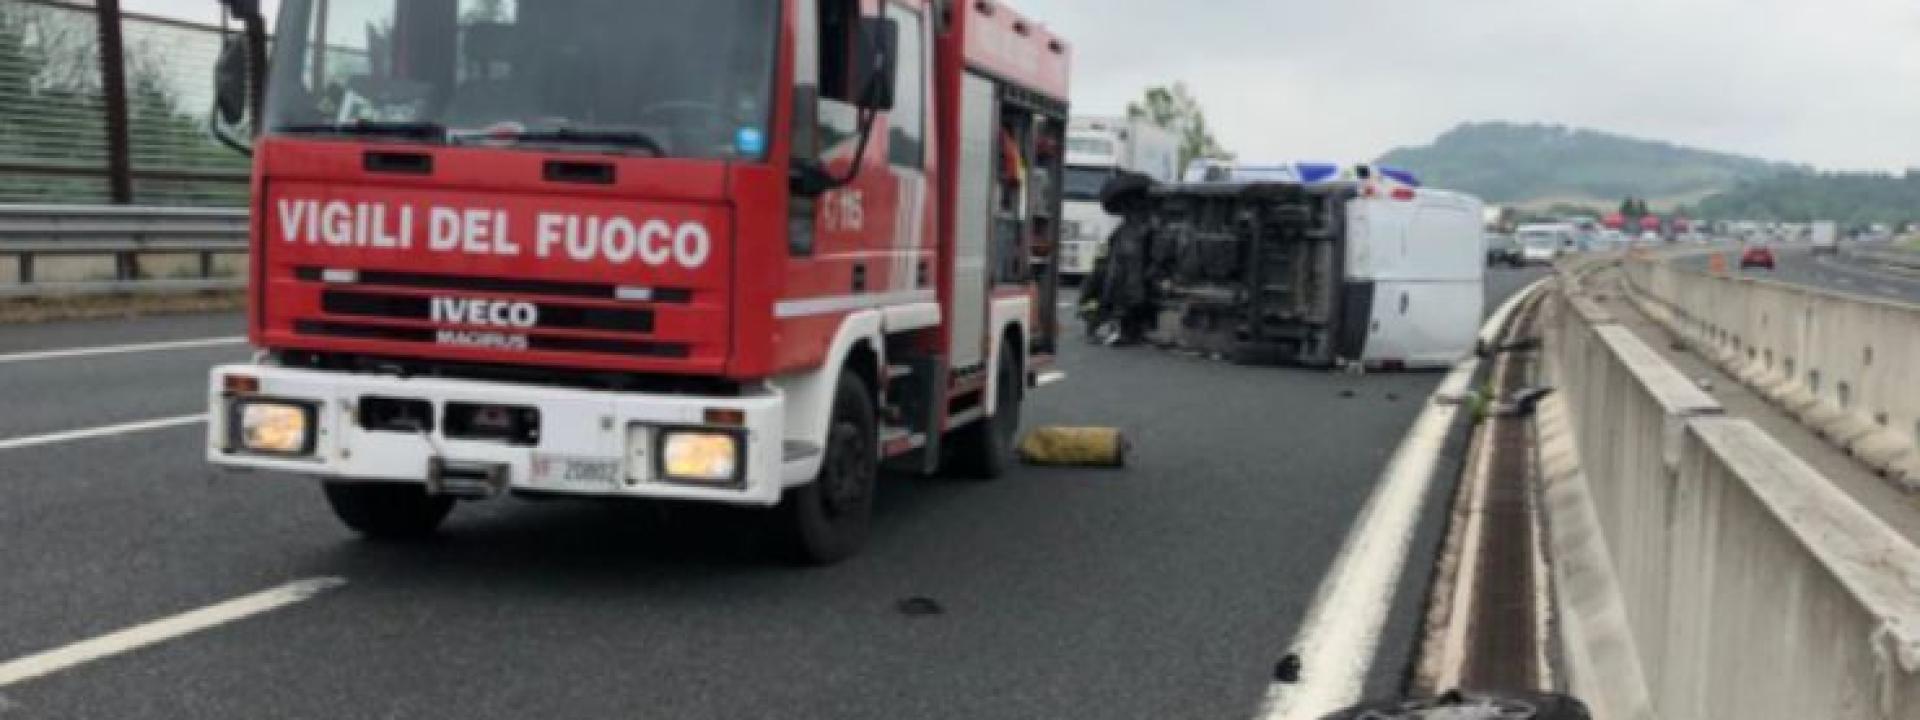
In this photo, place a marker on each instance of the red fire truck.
(746, 252)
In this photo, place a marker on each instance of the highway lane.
(1502, 283)
(119, 331)
(1857, 276)
(1165, 590)
(1798, 265)
(69, 393)
(65, 375)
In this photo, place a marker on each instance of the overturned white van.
(1416, 258)
(1370, 271)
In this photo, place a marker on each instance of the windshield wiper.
(372, 128)
(570, 136)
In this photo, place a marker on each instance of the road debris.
(1075, 447)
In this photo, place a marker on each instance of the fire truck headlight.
(701, 456)
(277, 428)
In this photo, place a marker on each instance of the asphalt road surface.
(1798, 265)
(1165, 590)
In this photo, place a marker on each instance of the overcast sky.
(1832, 83)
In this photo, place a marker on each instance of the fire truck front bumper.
(480, 439)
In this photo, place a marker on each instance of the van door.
(1428, 302)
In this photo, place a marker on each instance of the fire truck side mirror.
(879, 53)
(230, 83)
(238, 74)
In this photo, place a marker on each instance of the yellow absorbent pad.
(1075, 446)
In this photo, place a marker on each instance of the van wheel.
(984, 450)
(828, 520)
(388, 511)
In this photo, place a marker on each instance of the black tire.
(827, 521)
(984, 450)
(388, 511)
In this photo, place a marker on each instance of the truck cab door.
(868, 243)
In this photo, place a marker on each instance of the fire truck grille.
(545, 343)
(478, 284)
(462, 311)
(552, 316)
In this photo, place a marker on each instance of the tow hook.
(465, 479)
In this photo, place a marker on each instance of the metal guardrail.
(125, 234)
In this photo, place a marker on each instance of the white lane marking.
(1336, 643)
(1453, 651)
(1888, 290)
(120, 349)
(1543, 608)
(1342, 630)
(99, 432)
(162, 630)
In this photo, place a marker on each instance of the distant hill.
(1852, 199)
(1536, 165)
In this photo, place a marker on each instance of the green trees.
(1173, 107)
(1849, 198)
(1563, 210)
(52, 114)
(1517, 163)
(1512, 163)
(46, 118)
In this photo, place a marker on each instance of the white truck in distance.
(1825, 237)
(1097, 149)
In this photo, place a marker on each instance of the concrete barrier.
(1700, 569)
(1844, 364)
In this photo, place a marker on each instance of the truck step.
(465, 489)
(899, 440)
(795, 450)
(466, 480)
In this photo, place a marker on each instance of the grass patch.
(1481, 403)
(38, 310)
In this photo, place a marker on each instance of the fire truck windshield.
(653, 77)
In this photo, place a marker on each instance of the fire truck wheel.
(984, 450)
(827, 520)
(388, 511)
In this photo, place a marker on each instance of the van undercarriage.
(1248, 272)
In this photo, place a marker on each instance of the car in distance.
(1503, 250)
(1541, 245)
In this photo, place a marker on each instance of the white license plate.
(575, 472)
